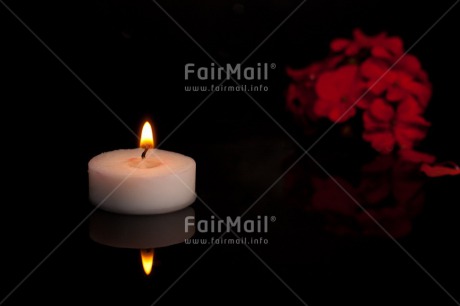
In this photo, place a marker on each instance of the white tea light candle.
(142, 181)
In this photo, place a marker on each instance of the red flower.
(442, 169)
(337, 92)
(405, 78)
(397, 90)
(385, 126)
(379, 46)
(301, 96)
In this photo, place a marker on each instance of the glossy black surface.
(321, 249)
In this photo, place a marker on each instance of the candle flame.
(147, 136)
(147, 256)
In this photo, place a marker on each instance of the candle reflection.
(147, 257)
(144, 233)
(388, 187)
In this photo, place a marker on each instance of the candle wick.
(145, 152)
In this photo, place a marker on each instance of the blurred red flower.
(403, 79)
(337, 90)
(387, 125)
(379, 46)
(369, 77)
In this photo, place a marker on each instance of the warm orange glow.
(147, 256)
(147, 136)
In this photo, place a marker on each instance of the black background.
(132, 56)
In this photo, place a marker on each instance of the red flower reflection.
(367, 76)
(389, 188)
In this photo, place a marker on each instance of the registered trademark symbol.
(273, 66)
(272, 218)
